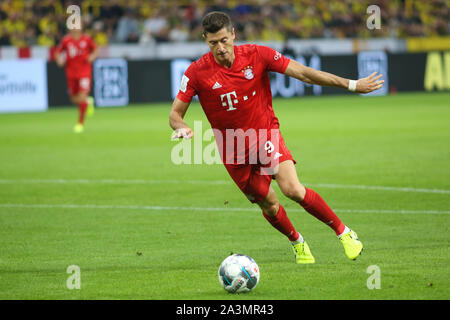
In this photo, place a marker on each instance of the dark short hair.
(214, 21)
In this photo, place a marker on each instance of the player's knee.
(74, 99)
(270, 209)
(82, 96)
(294, 192)
(269, 206)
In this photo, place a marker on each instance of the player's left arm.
(93, 55)
(94, 52)
(322, 78)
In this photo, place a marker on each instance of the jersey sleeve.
(92, 45)
(273, 60)
(62, 46)
(188, 85)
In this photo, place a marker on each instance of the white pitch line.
(384, 188)
(208, 182)
(193, 209)
(108, 181)
(212, 182)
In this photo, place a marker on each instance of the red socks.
(316, 206)
(282, 223)
(82, 111)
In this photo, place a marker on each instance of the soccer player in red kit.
(232, 84)
(80, 52)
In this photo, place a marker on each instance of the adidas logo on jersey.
(217, 85)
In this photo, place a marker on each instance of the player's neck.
(76, 35)
(228, 62)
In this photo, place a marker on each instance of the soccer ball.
(238, 273)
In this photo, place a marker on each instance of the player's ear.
(233, 34)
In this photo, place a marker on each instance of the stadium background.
(158, 39)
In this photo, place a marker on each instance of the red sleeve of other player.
(92, 45)
(62, 46)
(188, 85)
(273, 60)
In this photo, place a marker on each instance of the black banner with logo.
(406, 72)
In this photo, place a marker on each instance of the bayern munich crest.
(248, 72)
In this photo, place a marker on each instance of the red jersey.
(77, 52)
(238, 97)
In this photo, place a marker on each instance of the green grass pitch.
(111, 201)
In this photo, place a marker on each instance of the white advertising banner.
(23, 85)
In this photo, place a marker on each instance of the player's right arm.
(181, 129)
(59, 59)
(181, 104)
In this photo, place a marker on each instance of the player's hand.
(369, 84)
(90, 59)
(185, 133)
(60, 61)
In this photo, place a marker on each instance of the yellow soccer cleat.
(90, 108)
(352, 245)
(79, 128)
(302, 253)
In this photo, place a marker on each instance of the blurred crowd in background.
(43, 22)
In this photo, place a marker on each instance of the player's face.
(76, 33)
(221, 44)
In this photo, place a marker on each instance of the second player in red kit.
(80, 52)
(233, 87)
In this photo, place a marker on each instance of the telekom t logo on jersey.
(227, 100)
